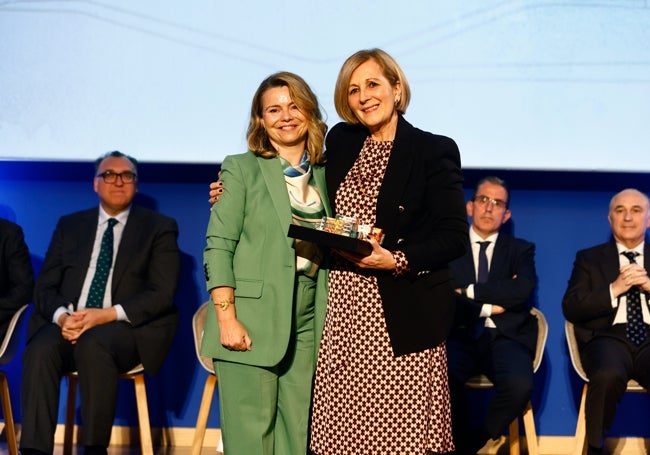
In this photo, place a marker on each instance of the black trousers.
(610, 361)
(507, 363)
(99, 356)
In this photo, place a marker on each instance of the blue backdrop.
(560, 212)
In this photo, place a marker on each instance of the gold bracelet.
(224, 303)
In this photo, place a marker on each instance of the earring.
(396, 101)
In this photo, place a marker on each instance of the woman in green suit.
(268, 290)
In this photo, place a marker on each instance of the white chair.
(482, 382)
(8, 349)
(137, 376)
(580, 447)
(198, 323)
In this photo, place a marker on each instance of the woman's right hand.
(216, 188)
(234, 336)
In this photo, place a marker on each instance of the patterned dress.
(366, 401)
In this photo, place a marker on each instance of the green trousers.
(265, 410)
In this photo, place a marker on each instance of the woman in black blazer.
(381, 384)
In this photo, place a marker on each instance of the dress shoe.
(32, 452)
(95, 450)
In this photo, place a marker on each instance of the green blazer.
(248, 249)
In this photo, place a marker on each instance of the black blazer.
(587, 303)
(145, 275)
(421, 210)
(16, 275)
(511, 257)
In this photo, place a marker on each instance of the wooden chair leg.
(71, 402)
(513, 437)
(146, 444)
(529, 428)
(580, 438)
(10, 430)
(204, 412)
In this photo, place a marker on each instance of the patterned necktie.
(102, 268)
(635, 329)
(482, 275)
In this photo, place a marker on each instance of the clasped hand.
(73, 325)
(631, 275)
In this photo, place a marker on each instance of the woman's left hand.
(379, 259)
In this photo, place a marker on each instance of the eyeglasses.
(484, 200)
(111, 177)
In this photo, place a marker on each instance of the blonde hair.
(307, 103)
(391, 71)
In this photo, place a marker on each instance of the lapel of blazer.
(85, 239)
(87, 229)
(499, 256)
(646, 257)
(319, 179)
(128, 246)
(610, 263)
(277, 188)
(397, 172)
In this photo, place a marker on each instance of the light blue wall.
(559, 212)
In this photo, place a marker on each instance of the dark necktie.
(635, 329)
(482, 275)
(102, 268)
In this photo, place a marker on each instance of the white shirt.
(620, 302)
(118, 230)
(474, 238)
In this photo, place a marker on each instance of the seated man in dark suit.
(494, 332)
(607, 301)
(103, 304)
(16, 276)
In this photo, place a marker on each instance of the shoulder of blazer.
(404, 128)
(252, 163)
(79, 220)
(606, 253)
(343, 138)
(8, 226)
(247, 157)
(148, 220)
(508, 241)
(139, 212)
(597, 252)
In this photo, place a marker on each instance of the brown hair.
(390, 69)
(305, 100)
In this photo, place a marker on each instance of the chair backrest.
(573, 350)
(198, 323)
(481, 381)
(542, 334)
(572, 343)
(11, 340)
